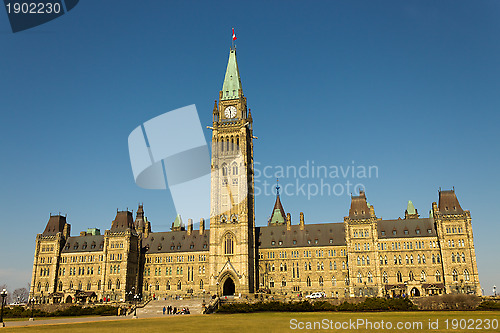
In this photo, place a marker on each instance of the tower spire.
(232, 81)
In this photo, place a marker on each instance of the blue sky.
(409, 87)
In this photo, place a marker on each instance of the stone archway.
(415, 292)
(69, 299)
(228, 288)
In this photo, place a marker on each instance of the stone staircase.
(155, 307)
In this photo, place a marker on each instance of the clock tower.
(232, 217)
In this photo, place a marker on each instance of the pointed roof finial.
(277, 187)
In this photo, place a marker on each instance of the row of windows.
(458, 257)
(451, 243)
(156, 286)
(307, 254)
(82, 270)
(409, 259)
(308, 282)
(116, 245)
(47, 260)
(89, 258)
(294, 242)
(116, 256)
(47, 248)
(360, 247)
(93, 245)
(360, 233)
(454, 230)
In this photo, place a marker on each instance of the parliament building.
(362, 256)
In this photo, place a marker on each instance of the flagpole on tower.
(234, 38)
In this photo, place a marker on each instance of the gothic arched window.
(384, 277)
(228, 244)
(466, 275)
(455, 275)
(400, 277)
(235, 169)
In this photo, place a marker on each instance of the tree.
(20, 295)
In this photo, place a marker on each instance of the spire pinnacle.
(232, 80)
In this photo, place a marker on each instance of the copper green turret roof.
(232, 81)
(177, 221)
(278, 215)
(410, 208)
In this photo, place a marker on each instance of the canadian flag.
(234, 36)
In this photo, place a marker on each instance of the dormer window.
(382, 232)
(394, 232)
(446, 208)
(308, 241)
(406, 231)
(84, 246)
(331, 241)
(429, 231)
(273, 242)
(172, 247)
(294, 242)
(280, 242)
(191, 246)
(316, 241)
(92, 246)
(159, 247)
(417, 231)
(67, 246)
(76, 246)
(204, 245)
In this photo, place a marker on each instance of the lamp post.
(32, 301)
(136, 297)
(3, 293)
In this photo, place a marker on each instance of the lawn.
(281, 322)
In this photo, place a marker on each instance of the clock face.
(230, 112)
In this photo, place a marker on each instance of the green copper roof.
(277, 217)
(232, 81)
(411, 209)
(178, 221)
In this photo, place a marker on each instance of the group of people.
(173, 310)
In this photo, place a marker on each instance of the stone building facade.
(361, 256)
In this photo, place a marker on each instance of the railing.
(212, 306)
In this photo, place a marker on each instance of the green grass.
(264, 322)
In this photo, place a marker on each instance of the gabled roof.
(232, 81)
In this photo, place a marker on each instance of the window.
(179, 285)
(283, 282)
(228, 244)
(308, 281)
(423, 276)
(360, 277)
(109, 284)
(201, 284)
(411, 276)
(320, 281)
(235, 169)
(438, 276)
(384, 277)
(466, 275)
(455, 276)
(370, 277)
(399, 277)
(394, 232)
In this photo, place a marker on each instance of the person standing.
(164, 309)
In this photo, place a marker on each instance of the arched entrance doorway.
(228, 288)
(415, 292)
(69, 299)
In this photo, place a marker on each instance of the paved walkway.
(153, 309)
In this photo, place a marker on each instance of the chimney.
(288, 221)
(202, 226)
(301, 223)
(190, 227)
